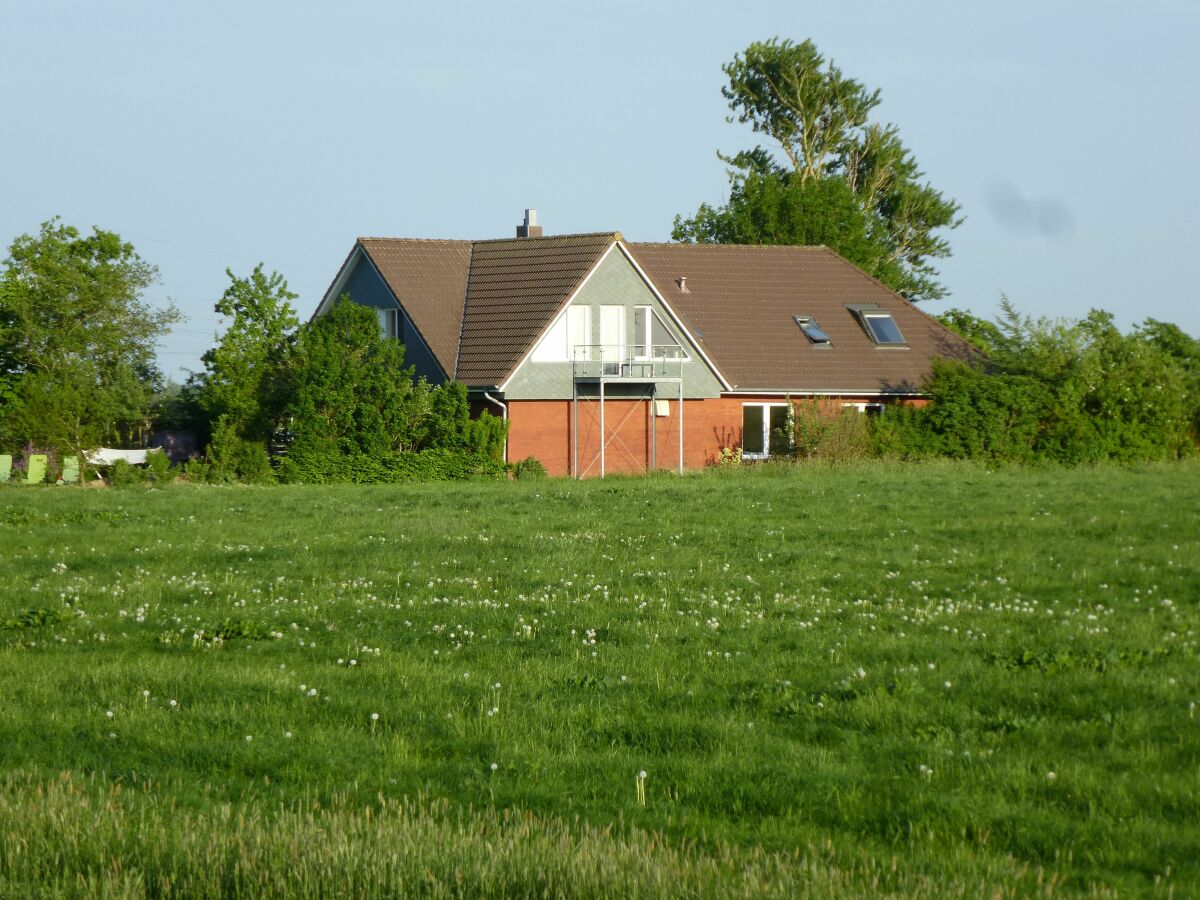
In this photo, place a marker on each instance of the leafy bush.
(819, 432)
(973, 415)
(196, 471)
(158, 467)
(530, 467)
(435, 464)
(233, 459)
(122, 474)
(1056, 390)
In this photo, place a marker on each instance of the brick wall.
(542, 428)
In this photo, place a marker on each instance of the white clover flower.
(108, 713)
(173, 703)
(642, 773)
(249, 738)
(495, 766)
(287, 734)
(374, 717)
(1050, 776)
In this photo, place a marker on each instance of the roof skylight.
(879, 325)
(815, 334)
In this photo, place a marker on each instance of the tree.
(242, 385)
(77, 364)
(880, 216)
(1061, 390)
(351, 396)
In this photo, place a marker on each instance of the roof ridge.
(611, 235)
(412, 240)
(807, 247)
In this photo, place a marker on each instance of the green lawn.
(932, 680)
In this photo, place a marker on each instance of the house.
(607, 355)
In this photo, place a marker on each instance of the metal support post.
(681, 425)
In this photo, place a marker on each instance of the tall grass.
(81, 836)
(941, 679)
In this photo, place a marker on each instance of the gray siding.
(614, 283)
(366, 288)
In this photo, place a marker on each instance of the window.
(579, 332)
(815, 334)
(765, 430)
(652, 337)
(879, 325)
(869, 409)
(389, 323)
(612, 338)
(570, 330)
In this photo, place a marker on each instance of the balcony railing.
(637, 363)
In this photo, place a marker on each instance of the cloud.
(1045, 217)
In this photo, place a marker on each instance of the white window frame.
(766, 432)
(644, 340)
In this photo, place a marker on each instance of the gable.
(428, 279)
(364, 285)
(616, 313)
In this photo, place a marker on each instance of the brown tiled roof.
(515, 287)
(481, 305)
(741, 300)
(429, 278)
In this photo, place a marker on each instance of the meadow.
(858, 680)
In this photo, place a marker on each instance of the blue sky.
(218, 134)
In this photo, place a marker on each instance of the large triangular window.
(652, 339)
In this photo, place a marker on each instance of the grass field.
(930, 680)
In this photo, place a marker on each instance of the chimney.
(682, 282)
(531, 229)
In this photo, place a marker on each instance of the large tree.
(241, 386)
(843, 180)
(350, 392)
(77, 361)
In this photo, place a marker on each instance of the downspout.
(503, 417)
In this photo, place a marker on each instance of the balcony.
(645, 363)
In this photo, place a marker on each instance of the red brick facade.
(543, 428)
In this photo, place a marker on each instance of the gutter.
(503, 417)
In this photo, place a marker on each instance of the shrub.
(232, 459)
(196, 471)
(122, 474)
(530, 467)
(158, 467)
(819, 432)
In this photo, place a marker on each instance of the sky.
(216, 135)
